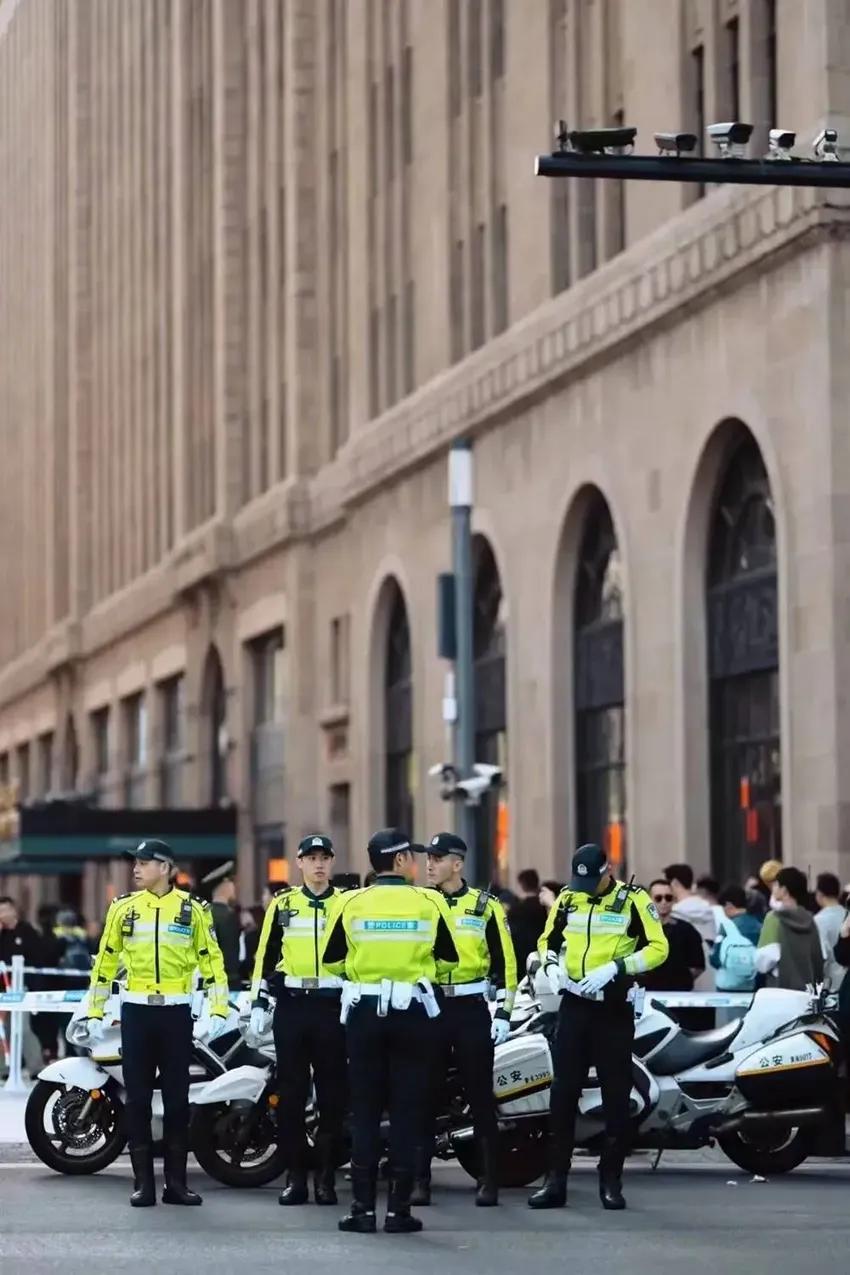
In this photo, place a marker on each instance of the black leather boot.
(552, 1194)
(487, 1195)
(611, 1177)
(421, 1193)
(361, 1218)
(325, 1179)
(175, 1155)
(144, 1183)
(399, 1220)
(296, 1190)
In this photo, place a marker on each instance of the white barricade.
(17, 1001)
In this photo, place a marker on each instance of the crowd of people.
(772, 930)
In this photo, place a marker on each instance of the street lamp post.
(460, 502)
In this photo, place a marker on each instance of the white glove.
(218, 1023)
(94, 1028)
(259, 1022)
(552, 970)
(500, 1031)
(597, 979)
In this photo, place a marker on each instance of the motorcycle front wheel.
(71, 1132)
(522, 1157)
(779, 1150)
(225, 1154)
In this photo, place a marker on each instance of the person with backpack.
(733, 955)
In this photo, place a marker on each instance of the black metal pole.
(726, 172)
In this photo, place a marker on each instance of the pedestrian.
(162, 935)
(734, 954)
(390, 941)
(225, 915)
(790, 953)
(685, 956)
(467, 1033)
(308, 1034)
(600, 934)
(526, 917)
(829, 920)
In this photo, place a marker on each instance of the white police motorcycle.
(74, 1116)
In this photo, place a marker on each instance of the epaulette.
(199, 899)
(287, 889)
(128, 894)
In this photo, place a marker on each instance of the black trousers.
(463, 1039)
(308, 1035)
(389, 1070)
(156, 1038)
(598, 1034)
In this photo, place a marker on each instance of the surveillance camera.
(676, 143)
(597, 141)
(446, 773)
(473, 789)
(826, 146)
(781, 141)
(491, 773)
(731, 138)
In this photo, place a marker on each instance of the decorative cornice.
(730, 234)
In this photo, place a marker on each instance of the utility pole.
(460, 502)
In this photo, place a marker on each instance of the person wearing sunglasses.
(686, 955)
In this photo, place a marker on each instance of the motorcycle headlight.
(77, 1032)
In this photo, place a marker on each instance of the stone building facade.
(263, 261)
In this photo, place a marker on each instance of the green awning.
(63, 849)
(42, 867)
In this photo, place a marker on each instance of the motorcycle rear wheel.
(780, 1151)
(55, 1155)
(522, 1158)
(211, 1127)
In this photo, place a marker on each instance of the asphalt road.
(686, 1216)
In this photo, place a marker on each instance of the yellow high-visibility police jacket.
(162, 940)
(391, 930)
(586, 931)
(291, 937)
(484, 944)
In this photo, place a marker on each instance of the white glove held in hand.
(552, 971)
(259, 1022)
(597, 979)
(94, 1027)
(499, 1031)
(217, 1026)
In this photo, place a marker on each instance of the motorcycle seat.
(690, 1049)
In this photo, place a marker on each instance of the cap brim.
(148, 858)
(582, 884)
(329, 854)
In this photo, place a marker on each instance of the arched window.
(398, 717)
(214, 721)
(489, 644)
(743, 669)
(599, 687)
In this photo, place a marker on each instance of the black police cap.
(447, 843)
(316, 842)
(388, 842)
(588, 868)
(152, 850)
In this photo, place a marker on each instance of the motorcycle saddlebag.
(522, 1076)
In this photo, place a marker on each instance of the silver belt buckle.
(156, 999)
(449, 989)
(310, 984)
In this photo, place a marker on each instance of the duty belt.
(325, 983)
(156, 998)
(634, 997)
(478, 988)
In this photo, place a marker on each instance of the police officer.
(162, 935)
(390, 941)
(467, 1032)
(307, 1029)
(226, 920)
(609, 932)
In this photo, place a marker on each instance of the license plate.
(156, 1000)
